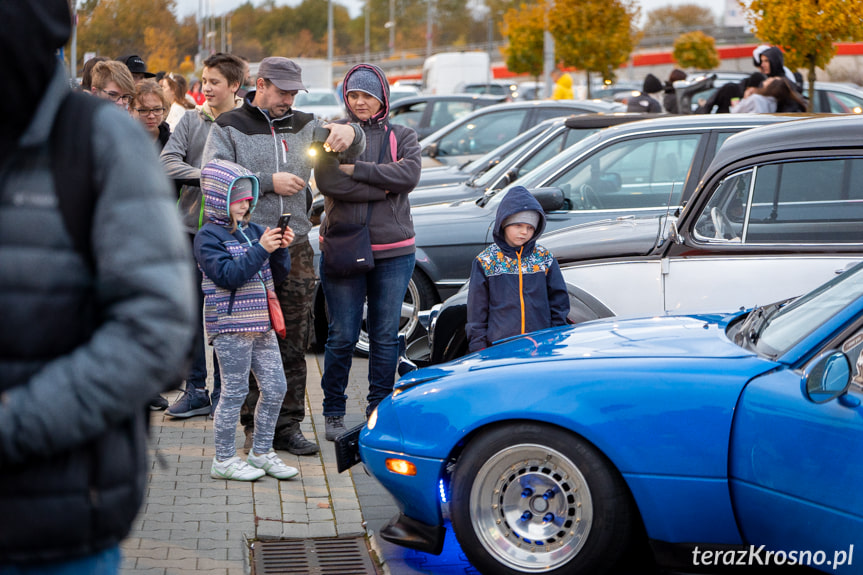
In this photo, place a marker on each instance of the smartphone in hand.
(284, 220)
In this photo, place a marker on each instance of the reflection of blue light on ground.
(451, 561)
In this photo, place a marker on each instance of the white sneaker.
(270, 464)
(236, 469)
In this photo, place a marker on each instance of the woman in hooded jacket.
(371, 189)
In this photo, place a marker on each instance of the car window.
(805, 202)
(444, 113)
(482, 134)
(409, 116)
(842, 103)
(550, 149)
(540, 114)
(638, 173)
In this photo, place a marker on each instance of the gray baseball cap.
(284, 73)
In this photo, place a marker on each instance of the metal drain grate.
(323, 556)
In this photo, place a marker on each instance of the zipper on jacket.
(520, 287)
(275, 143)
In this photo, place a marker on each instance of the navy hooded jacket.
(514, 290)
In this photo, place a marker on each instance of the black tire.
(581, 511)
(420, 296)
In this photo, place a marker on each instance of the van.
(445, 71)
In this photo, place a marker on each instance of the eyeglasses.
(150, 111)
(116, 97)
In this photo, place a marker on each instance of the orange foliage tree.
(523, 27)
(695, 50)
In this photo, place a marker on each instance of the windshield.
(493, 157)
(537, 177)
(788, 325)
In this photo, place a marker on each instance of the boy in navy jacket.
(515, 285)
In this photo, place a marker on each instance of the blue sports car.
(736, 439)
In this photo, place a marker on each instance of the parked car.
(486, 129)
(322, 102)
(429, 113)
(645, 167)
(779, 211)
(718, 436)
(508, 90)
(504, 165)
(399, 92)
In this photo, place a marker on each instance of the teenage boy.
(181, 159)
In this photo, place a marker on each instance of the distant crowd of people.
(773, 88)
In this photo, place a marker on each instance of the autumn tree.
(116, 28)
(524, 29)
(594, 35)
(806, 30)
(696, 50)
(674, 19)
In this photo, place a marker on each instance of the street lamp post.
(392, 28)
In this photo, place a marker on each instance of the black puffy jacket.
(82, 349)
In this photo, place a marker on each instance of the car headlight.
(373, 419)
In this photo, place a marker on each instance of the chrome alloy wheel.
(531, 508)
(407, 324)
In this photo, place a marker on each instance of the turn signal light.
(401, 467)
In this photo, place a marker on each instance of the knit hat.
(241, 190)
(365, 80)
(651, 84)
(529, 217)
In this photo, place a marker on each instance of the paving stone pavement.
(190, 523)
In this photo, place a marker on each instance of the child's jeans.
(237, 354)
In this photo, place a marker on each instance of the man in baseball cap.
(283, 73)
(137, 66)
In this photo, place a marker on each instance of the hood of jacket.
(217, 179)
(32, 32)
(776, 59)
(383, 114)
(517, 199)
(565, 80)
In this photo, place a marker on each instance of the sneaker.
(236, 469)
(295, 443)
(335, 425)
(250, 438)
(193, 402)
(272, 465)
(158, 403)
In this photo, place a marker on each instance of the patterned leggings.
(238, 353)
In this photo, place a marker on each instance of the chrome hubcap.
(531, 508)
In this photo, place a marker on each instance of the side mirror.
(827, 377)
(510, 176)
(551, 199)
(431, 150)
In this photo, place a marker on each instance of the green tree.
(594, 35)
(524, 30)
(806, 30)
(669, 19)
(695, 50)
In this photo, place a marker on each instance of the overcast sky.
(186, 7)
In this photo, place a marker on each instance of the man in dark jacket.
(268, 137)
(645, 103)
(86, 338)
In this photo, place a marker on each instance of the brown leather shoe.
(295, 443)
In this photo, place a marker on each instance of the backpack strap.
(72, 168)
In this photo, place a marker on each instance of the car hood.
(656, 395)
(452, 219)
(624, 236)
(693, 336)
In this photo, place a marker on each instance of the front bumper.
(417, 496)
